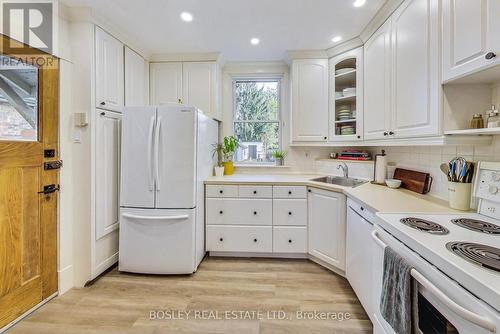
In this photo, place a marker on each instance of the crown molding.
(349, 45)
(380, 17)
(176, 57)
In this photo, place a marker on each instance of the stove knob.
(493, 190)
(495, 177)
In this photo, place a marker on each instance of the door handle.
(157, 153)
(150, 153)
(49, 189)
(50, 165)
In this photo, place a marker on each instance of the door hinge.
(49, 189)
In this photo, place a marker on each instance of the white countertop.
(378, 198)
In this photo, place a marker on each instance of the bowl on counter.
(393, 183)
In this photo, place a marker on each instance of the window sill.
(259, 166)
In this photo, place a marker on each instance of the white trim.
(104, 265)
(349, 45)
(27, 313)
(180, 57)
(378, 20)
(65, 279)
(260, 255)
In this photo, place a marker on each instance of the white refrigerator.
(166, 156)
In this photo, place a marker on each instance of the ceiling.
(227, 26)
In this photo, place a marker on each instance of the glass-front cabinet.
(346, 96)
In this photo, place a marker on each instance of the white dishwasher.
(359, 253)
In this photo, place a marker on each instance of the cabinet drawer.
(289, 192)
(240, 239)
(233, 211)
(290, 212)
(289, 239)
(255, 191)
(222, 191)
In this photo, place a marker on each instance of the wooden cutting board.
(418, 182)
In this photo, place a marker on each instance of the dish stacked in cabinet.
(256, 219)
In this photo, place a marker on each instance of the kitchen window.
(257, 119)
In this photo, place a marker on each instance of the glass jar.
(476, 122)
(493, 118)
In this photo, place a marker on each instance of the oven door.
(444, 306)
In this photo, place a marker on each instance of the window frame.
(279, 120)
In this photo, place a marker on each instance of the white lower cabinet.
(230, 238)
(290, 239)
(236, 211)
(290, 212)
(327, 220)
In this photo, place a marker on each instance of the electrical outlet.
(77, 136)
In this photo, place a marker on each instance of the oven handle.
(474, 318)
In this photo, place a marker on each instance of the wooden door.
(327, 223)
(28, 220)
(377, 80)
(109, 71)
(310, 100)
(416, 89)
(165, 83)
(136, 79)
(198, 81)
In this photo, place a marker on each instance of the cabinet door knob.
(490, 55)
(290, 213)
(255, 212)
(309, 190)
(221, 239)
(221, 191)
(391, 133)
(359, 137)
(103, 113)
(255, 192)
(103, 103)
(289, 193)
(362, 209)
(255, 240)
(221, 212)
(325, 138)
(289, 241)
(385, 133)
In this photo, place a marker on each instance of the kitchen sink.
(341, 181)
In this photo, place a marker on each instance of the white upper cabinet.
(471, 38)
(327, 226)
(377, 79)
(165, 83)
(109, 71)
(416, 89)
(346, 96)
(199, 85)
(310, 100)
(136, 79)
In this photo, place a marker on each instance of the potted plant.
(279, 157)
(230, 145)
(218, 149)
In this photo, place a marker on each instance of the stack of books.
(354, 155)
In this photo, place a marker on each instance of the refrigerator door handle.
(150, 153)
(157, 154)
(178, 217)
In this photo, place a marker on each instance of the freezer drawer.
(157, 241)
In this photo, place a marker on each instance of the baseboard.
(27, 313)
(103, 266)
(260, 255)
(65, 277)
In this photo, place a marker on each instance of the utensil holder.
(459, 195)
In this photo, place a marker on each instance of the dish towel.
(399, 299)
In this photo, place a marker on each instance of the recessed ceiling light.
(255, 41)
(186, 17)
(336, 39)
(359, 3)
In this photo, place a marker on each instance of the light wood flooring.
(121, 303)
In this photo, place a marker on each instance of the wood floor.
(121, 303)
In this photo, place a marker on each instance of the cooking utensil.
(445, 168)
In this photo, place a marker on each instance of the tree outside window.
(257, 119)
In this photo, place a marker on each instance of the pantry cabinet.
(109, 71)
(193, 83)
(402, 80)
(136, 79)
(309, 121)
(471, 41)
(327, 226)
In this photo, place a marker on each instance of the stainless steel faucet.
(344, 168)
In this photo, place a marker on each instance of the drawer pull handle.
(362, 209)
(290, 213)
(289, 193)
(255, 192)
(221, 239)
(255, 240)
(221, 191)
(490, 55)
(255, 213)
(290, 241)
(221, 212)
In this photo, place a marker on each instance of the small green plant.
(278, 154)
(218, 149)
(230, 146)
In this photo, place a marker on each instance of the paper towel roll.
(381, 169)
